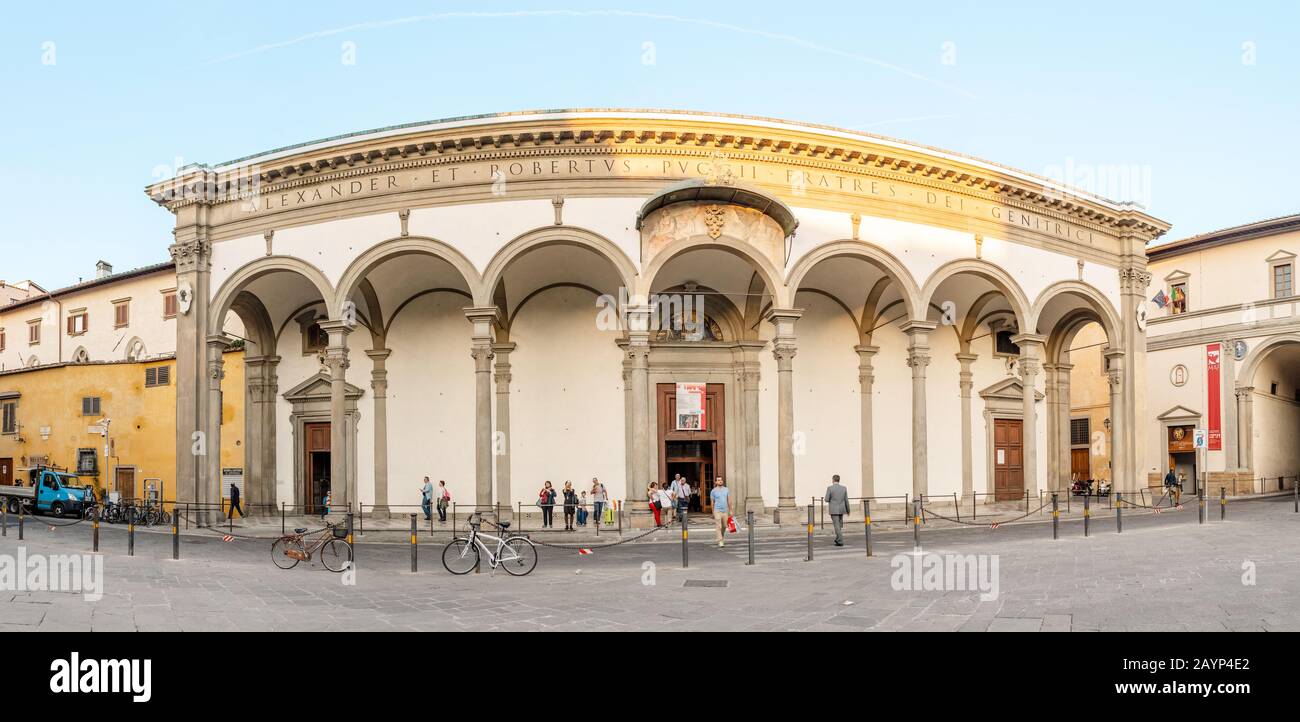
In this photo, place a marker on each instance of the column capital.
(866, 352)
(1032, 340)
(379, 355)
(967, 359)
(503, 348)
(1244, 392)
(783, 319)
(486, 320)
(916, 327)
(638, 317)
(190, 256)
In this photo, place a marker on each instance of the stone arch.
(80, 355)
(406, 245)
(1093, 300)
(1250, 364)
(992, 273)
(874, 255)
(771, 276)
(553, 236)
(136, 350)
(240, 279)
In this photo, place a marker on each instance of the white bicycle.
(516, 554)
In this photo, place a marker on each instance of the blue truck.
(49, 490)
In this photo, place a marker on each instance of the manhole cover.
(705, 583)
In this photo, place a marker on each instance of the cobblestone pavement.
(1164, 573)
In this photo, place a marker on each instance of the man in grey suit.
(837, 503)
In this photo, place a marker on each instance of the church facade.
(502, 300)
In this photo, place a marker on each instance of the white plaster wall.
(479, 230)
(1276, 421)
(613, 218)
(230, 255)
(430, 400)
(293, 369)
(566, 402)
(1227, 275)
(891, 408)
(332, 246)
(827, 406)
(1163, 396)
(943, 418)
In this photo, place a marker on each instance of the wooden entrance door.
(1080, 464)
(6, 471)
(705, 449)
(316, 465)
(1008, 460)
(124, 482)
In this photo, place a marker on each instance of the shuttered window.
(78, 323)
(10, 425)
(121, 315)
(90, 406)
(157, 376)
(1080, 431)
(169, 305)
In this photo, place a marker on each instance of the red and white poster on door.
(1213, 363)
(690, 407)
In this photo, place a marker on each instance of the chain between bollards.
(414, 545)
(866, 522)
(809, 557)
(749, 524)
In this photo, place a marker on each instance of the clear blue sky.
(1196, 101)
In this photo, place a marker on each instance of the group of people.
(575, 505)
(678, 494)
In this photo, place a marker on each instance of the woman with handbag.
(570, 505)
(652, 493)
(546, 500)
(444, 500)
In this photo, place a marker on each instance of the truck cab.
(57, 492)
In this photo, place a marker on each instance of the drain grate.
(705, 583)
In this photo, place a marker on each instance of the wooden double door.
(697, 454)
(316, 466)
(1008, 460)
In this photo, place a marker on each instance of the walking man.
(720, 495)
(234, 503)
(426, 499)
(681, 492)
(837, 504)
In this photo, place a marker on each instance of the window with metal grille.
(90, 406)
(87, 462)
(1080, 432)
(1004, 344)
(157, 376)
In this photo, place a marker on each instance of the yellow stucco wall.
(143, 428)
(1090, 394)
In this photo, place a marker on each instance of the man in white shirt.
(681, 492)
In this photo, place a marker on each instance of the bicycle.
(516, 554)
(331, 542)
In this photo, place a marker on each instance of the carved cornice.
(627, 133)
(191, 255)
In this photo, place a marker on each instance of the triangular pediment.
(1008, 389)
(1280, 255)
(1179, 413)
(317, 388)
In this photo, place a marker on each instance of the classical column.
(1231, 458)
(210, 494)
(918, 358)
(638, 352)
(784, 348)
(1065, 464)
(752, 375)
(965, 383)
(866, 378)
(342, 488)
(1134, 280)
(379, 385)
(1120, 479)
(485, 320)
(192, 255)
(259, 432)
(1031, 365)
(501, 447)
(1246, 427)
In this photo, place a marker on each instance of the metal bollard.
(866, 522)
(749, 524)
(176, 538)
(1295, 495)
(916, 524)
(1087, 513)
(907, 507)
(1119, 513)
(1223, 503)
(94, 534)
(4, 518)
(130, 537)
(686, 554)
(1056, 517)
(414, 544)
(282, 518)
(810, 534)
(22, 516)
(1200, 505)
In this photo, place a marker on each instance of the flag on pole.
(1160, 299)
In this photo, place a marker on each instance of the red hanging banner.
(1213, 362)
